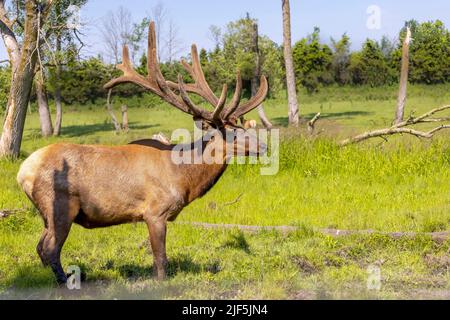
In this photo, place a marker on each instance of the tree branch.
(9, 38)
(4, 15)
(400, 128)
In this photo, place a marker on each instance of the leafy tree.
(429, 52)
(341, 60)
(312, 62)
(82, 81)
(369, 66)
(5, 80)
(387, 47)
(272, 63)
(237, 53)
(237, 49)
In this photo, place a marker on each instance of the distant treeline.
(317, 64)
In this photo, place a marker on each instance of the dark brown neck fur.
(200, 178)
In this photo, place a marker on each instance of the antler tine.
(129, 74)
(152, 58)
(236, 98)
(154, 81)
(255, 101)
(220, 105)
(200, 87)
(194, 109)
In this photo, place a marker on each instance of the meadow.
(402, 185)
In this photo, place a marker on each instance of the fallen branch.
(401, 128)
(234, 201)
(436, 236)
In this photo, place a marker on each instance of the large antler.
(155, 82)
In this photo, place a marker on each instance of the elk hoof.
(61, 280)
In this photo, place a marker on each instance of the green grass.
(402, 185)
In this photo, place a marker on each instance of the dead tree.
(124, 109)
(312, 123)
(119, 128)
(43, 107)
(403, 79)
(289, 62)
(257, 74)
(403, 128)
(116, 30)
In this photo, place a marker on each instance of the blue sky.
(333, 17)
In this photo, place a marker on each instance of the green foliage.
(237, 53)
(313, 62)
(5, 80)
(429, 52)
(83, 81)
(341, 60)
(316, 64)
(369, 66)
(272, 62)
(237, 48)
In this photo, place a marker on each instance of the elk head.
(224, 117)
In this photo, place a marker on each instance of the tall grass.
(401, 185)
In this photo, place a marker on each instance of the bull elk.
(102, 186)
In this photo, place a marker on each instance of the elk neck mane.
(199, 178)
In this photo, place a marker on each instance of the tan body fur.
(101, 186)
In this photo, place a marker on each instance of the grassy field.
(402, 185)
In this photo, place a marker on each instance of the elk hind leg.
(59, 219)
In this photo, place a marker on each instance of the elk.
(100, 186)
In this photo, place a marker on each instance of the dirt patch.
(439, 265)
(305, 266)
(304, 295)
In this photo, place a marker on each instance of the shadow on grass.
(239, 242)
(36, 282)
(32, 276)
(81, 130)
(180, 264)
(284, 121)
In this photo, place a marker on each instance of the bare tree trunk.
(58, 104)
(111, 113)
(125, 118)
(42, 100)
(289, 62)
(403, 79)
(22, 77)
(58, 118)
(257, 73)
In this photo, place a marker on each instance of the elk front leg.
(157, 227)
